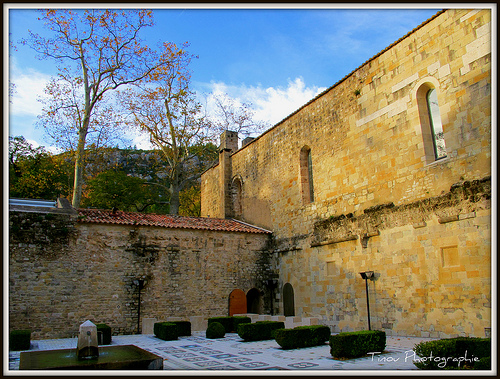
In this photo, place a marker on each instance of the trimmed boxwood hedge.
(449, 353)
(302, 336)
(215, 330)
(183, 328)
(106, 333)
(261, 330)
(357, 344)
(230, 323)
(166, 331)
(20, 340)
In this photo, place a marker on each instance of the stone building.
(387, 171)
(68, 266)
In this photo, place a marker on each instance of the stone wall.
(431, 258)
(381, 200)
(88, 272)
(365, 132)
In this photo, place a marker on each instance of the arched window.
(288, 300)
(236, 195)
(436, 125)
(430, 121)
(306, 175)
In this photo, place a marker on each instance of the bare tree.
(229, 114)
(101, 51)
(166, 109)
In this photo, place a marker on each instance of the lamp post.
(367, 275)
(140, 285)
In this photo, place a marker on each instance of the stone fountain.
(89, 356)
(87, 347)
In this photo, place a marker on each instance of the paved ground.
(231, 353)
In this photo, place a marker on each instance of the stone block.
(148, 325)
(198, 323)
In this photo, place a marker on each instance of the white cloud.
(29, 86)
(270, 104)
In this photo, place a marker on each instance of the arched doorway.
(288, 300)
(237, 302)
(254, 301)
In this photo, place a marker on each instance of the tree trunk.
(174, 199)
(79, 165)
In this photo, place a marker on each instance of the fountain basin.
(121, 357)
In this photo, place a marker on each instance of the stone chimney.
(228, 145)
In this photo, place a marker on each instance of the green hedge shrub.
(230, 323)
(183, 328)
(259, 331)
(237, 320)
(215, 330)
(105, 333)
(166, 331)
(458, 352)
(302, 336)
(20, 340)
(483, 364)
(357, 344)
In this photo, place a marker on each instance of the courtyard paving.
(232, 353)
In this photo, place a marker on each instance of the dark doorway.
(237, 302)
(288, 300)
(254, 299)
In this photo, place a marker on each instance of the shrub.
(483, 364)
(237, 320)
(302, 336)
(105, 334)
(230, 323)
(357, 344)
(166, 331)
(261, 330)
(451, 353)
(215, 330)
(20, 340)
(226, 322)
(183, 328)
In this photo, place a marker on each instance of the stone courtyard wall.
(431, 259)
(55, 284)
(369, 150)
(365, 132)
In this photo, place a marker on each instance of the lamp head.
(367, 274)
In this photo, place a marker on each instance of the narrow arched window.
(306, 175)
(435, 124)
(236, 194)
(430, 122)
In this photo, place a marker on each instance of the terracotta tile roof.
(165, 221)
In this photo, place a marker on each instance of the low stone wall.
(63, 272)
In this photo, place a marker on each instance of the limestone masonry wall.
(90, 274)
(380, 198)
(368, 148)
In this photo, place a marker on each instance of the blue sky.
(277, 59)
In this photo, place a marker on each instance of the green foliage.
(183, 328)
(302, 336)
(237, 320)
(106, 333)
(226, 322)
(483, 364)
(215, 330)
(259, 331)
(357, 344)
(20, 340)
(34, 173)
(114, 188)
(448, 353)
(167, 331)
(230, 323)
